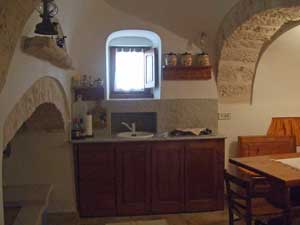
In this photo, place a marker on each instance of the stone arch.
(46, 117)
(244, 35)
(45, 90)
(13, 17)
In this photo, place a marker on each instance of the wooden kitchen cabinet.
(137, 178)
(96, 192)
(204, 185)
(133, 178)
(167, 177)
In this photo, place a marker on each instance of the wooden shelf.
(89, 93)
(45, 48)
(187, 73)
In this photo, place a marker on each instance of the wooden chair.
(244, 204)
(263, 145)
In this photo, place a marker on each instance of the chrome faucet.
(132, 128)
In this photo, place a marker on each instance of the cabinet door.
(167, 177)
(133, 178)
(96, 180)
(204, 185)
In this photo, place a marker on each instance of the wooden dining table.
(268, 166)
(285, 179)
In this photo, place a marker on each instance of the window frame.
(147, 93)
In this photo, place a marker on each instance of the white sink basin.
(137, 135)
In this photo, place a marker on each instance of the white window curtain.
(129, 70)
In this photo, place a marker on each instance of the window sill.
(132, 95)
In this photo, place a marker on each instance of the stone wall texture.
(45, 118)
(244, 35)
(241, 39)
(13, 17)
(171, 113)
(45, 90)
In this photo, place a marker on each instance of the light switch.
(224, 116)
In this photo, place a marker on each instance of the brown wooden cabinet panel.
(167, 177)
(133, 178)
(204, 167)
(96, 199)
(136, 178)
(96, 180)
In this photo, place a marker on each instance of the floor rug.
(141, 222)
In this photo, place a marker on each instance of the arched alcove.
(243, 37)
(38, 156)
(45, 90)
(45, 118)
(277, 77)
(38, 152)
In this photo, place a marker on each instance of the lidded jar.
(170, 59)
(186, 59)
(203, 59)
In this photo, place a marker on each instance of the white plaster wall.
(276, 92)
(25, 70)
(43, 158)
(99, 20)
(87, 24)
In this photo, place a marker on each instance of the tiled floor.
(211, 218)
(10, 214)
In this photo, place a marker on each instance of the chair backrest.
(239, 194)
(265, 145)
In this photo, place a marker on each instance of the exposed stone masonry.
(13, 16)
(246, 32)
(45, 118)
(45, 90)
(45, 48)
(239, 44)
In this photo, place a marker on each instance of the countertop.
(106, 139)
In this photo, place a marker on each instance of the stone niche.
(45, 90)
(45, 118)
(37, 172)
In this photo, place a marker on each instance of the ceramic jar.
(203, 59)
(186, 59)
(171, 59)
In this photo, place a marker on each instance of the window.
(132, 72)
(132, 63)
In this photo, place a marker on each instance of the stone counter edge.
(116, 139)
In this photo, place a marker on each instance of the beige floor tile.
(214, 218)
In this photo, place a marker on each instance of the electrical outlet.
(224, 116)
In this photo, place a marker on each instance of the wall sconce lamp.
(47, 11)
